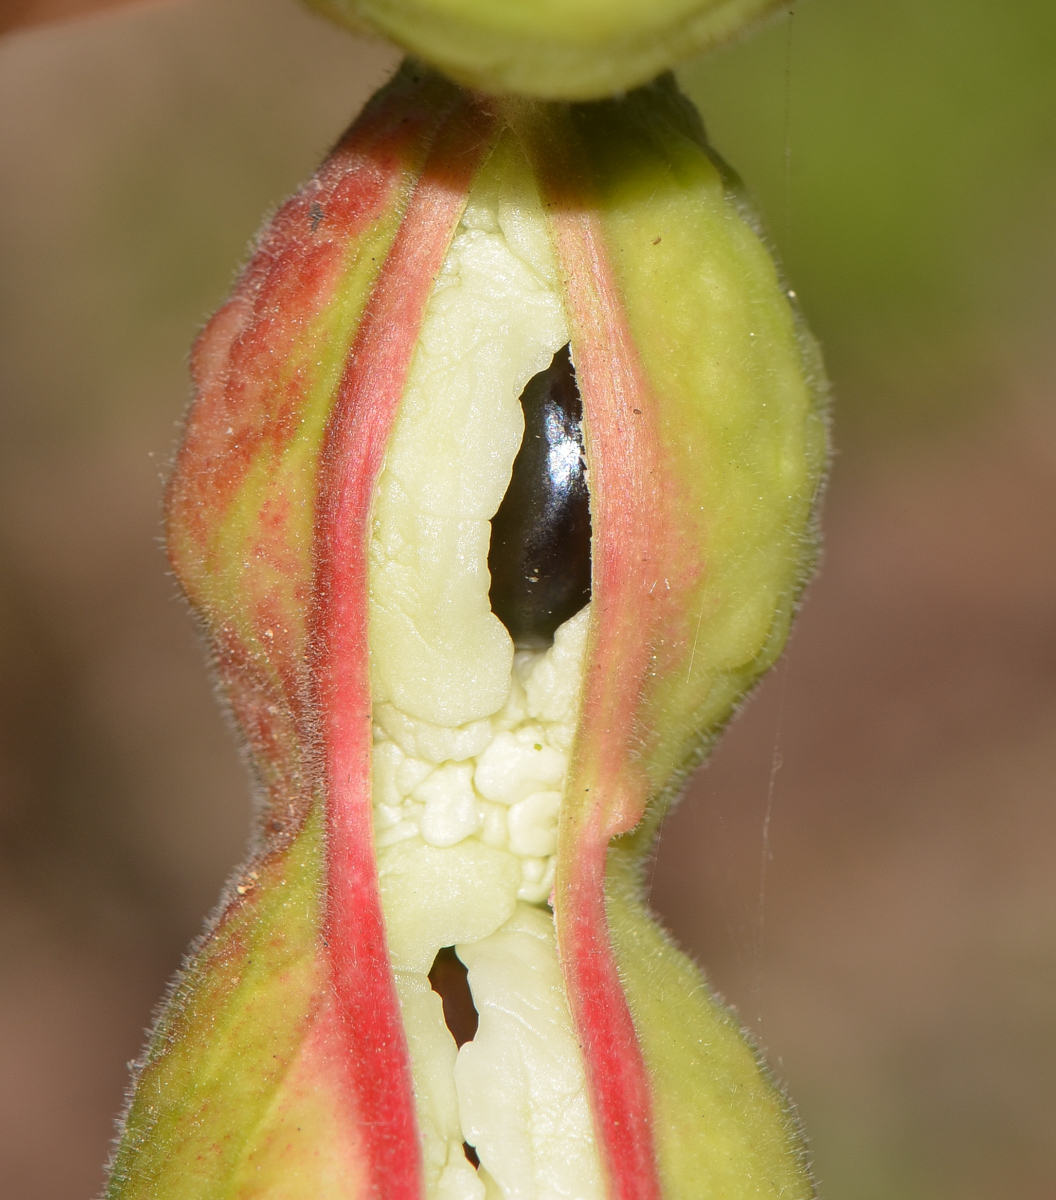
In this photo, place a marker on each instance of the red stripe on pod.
(376, 1065)
(608, 790)
(239, 360)
(255, 368)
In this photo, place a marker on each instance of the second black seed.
(540, 537)
(449, 978)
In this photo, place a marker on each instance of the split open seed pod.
(496, 495)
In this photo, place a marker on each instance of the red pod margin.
(706, 445)
(280, 1064)
(352, 457)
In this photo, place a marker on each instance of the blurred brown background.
(866, 868)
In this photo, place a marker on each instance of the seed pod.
(420, 786)
(554, 49)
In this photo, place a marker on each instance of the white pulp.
(471, 739)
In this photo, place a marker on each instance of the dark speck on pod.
(540, 537)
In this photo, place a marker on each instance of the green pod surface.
(288, 1061)
(552, 49)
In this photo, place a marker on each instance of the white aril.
(472, 739)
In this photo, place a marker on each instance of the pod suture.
(540, 537)
(436, 976)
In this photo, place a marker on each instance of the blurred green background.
(866, 868)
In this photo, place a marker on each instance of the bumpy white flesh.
(520, 1081)
(471, 739)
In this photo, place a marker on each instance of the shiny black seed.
(540, 537)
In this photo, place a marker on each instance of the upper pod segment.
(554, 49)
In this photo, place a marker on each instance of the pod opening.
(449, 978)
